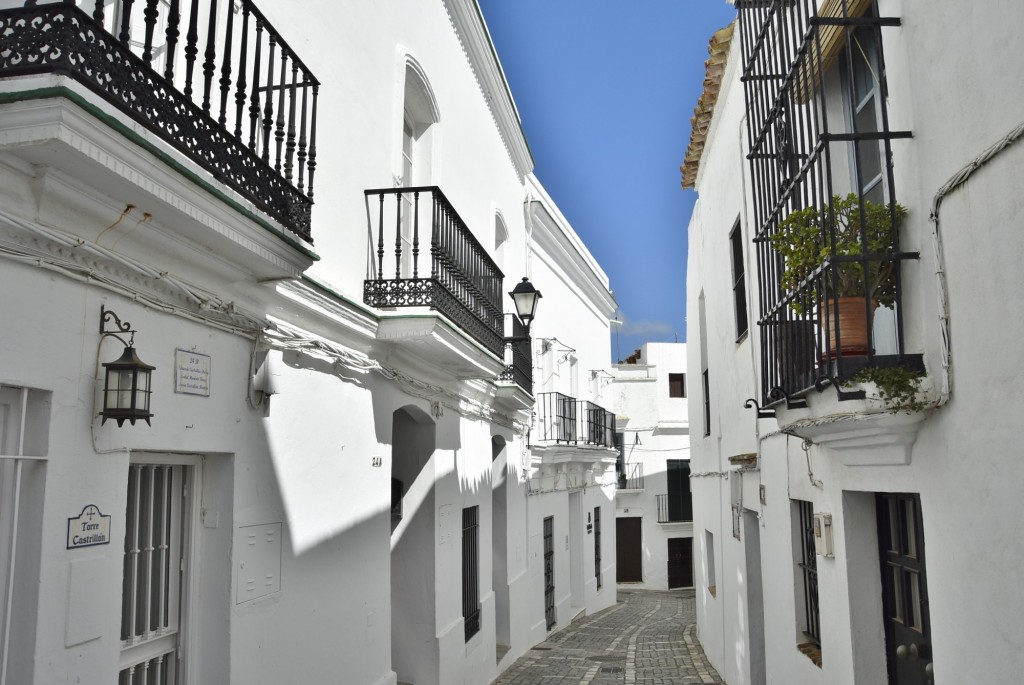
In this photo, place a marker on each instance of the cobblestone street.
(648, 638)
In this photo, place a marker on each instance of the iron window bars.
(219, 84)
(470, 571)
(818, 130)
(597, 546)
(809, 565)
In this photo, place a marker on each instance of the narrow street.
(647, 638)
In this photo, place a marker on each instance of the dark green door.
(905, 589)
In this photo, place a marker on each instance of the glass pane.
(914, 582)
(869, 151)
(896, 593)
(864, 78)
(911, 550)
(894, 534)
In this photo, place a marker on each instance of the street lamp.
(128, 386)
(525, 297)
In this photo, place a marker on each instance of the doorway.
(628, 550)
(904, 589)
(680, 563)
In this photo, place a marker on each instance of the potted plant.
(808, 238)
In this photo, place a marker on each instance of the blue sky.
(606, 89)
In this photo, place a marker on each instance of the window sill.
(811, 651)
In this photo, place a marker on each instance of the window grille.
(820, 153)
(707, 402)
(597, 546)
(739, 281)
(470, 571)
(549, 572)
(808, 564)
(154, 562)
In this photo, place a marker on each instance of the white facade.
(650, 390)
(954, 455)
(319, 469)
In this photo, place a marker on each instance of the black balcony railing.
(826, 218)
(452, 273)
(519, 354)
(214, 80)
(564, 419)
(596, 424)
(631, 476)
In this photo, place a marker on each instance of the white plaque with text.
(91, 527)
(191, 373)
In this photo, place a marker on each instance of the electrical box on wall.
(823, 535)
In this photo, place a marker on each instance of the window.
(680, 501)
(826, 220)
(707, 402)
(806, 576)
(709, 560)
(155, 570)
(677, 385)
(739, 284)
(470, 571)
(597, 545)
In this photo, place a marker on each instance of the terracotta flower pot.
(854, 329)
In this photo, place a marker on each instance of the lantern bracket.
(117, 325)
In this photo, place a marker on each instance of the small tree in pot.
(803, 241)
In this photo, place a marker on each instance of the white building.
(654, 509)
(853, 532)
(335, 483)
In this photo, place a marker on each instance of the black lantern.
(525, 297)
(128, 386)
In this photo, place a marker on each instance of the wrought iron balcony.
(564, 419)
(454, 275)
(520, 354)
(631, 476)
(214, 80)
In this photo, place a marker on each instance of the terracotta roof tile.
(718, 49)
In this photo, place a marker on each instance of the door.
(904, 589)
(628, 551)
(680, 562)
(549, 571)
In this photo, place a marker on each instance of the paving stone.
(647, 638)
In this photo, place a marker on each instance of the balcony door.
(904, 589)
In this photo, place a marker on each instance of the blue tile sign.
(89, 528)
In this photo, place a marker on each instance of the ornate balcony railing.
(520, 354)
(214, 80)
(455, 275)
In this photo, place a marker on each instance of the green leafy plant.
(802, 239)
(898, 387)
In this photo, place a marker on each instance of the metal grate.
(471, 571)
(597, 546)
(809, 565)
(153, 567)
(549, 571)
(820, 153)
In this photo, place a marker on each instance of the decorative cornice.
(471, 29)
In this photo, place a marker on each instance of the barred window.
(826, 216)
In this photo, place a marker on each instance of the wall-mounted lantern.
(525, 297)
(127, 388)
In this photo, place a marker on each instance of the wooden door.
(680, 562)
(628, 550)
(904, 589)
